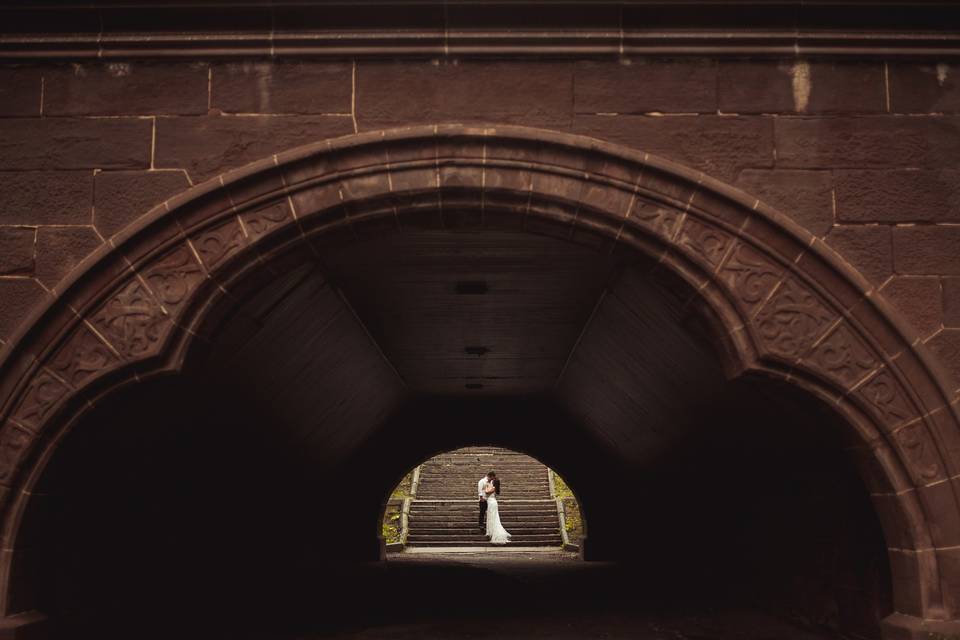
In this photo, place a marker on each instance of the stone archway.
(784, 304)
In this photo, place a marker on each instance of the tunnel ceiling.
(295, 354)
(329, 351)
(472, 310)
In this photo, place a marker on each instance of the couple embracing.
(488, 489)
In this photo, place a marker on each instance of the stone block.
(917, 87)
(719, 146)
(875, 142)
(758, 86)
(423, 19)
(951, 302)
(282, 87)
(19, 296)
(75, 143)
(593, 15)
(946, 346)
(898, 195)
(919, 299)
(207, 146)
(805, 196)
(867, 248)
(948, 563)
(531, 93)
(16, 251)
(940, 501)
(640, 86)
(126, 88)
(59, 249)
(123, 196)
(45, 197)
(20, 91)
(926, 250)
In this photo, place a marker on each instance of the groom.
(483, 499)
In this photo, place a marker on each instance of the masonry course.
(112, 124)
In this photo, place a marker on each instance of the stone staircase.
(444, 512)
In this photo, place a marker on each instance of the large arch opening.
(333, 343)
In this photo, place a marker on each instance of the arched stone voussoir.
(787, 302)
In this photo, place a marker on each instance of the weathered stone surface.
(75, 143)
(207, 146)
(59, 249)
(123, 196)
(951, 302)
(719, 146)
(19, 296)
(919, 299)
(126, 88)
(805, 196)
(867, 248)
(532, 93)
(639, 86)
(898, 196)
(924, 88)
(45, 197)
(879, 141)
(282, 87)
(946, 345)
(926, 250)
(796, 86)
(20, 91)
(16, 251)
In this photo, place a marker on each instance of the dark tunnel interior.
(249, 487)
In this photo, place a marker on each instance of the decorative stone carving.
(660, 219)
(14, 442)
(83, 356)
(750, 276)
(844, 356)
(920, 452)
(174, 277)
(216, 245)
(884, 394)
(791, 321)
(132, 321)
(41, 395)
(264, 220)
(705, 240)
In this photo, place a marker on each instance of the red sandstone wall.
(866, 155)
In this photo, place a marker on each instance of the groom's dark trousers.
(483, 512)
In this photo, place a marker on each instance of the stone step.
(549, 543)
(423, 518)
(470, 531)
(483, 467)
(503, 509)
(551, 540)
(529, 495)
(476, 474)
(472, 504)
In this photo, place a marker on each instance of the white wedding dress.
(495, 530)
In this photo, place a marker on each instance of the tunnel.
(289, 363)
(250, 479)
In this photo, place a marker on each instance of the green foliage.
(402, 490)
(391, 526)
(571, 509)
(561, 488)
(390, 529)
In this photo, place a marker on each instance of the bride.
(495, 530)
